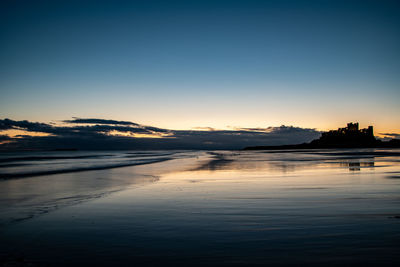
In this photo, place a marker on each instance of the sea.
(322, 207)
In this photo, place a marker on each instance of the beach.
(201, 208)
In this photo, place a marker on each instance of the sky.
(185, 65)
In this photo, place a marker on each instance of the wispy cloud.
(99, 121)
(389, 136)
(392, 135)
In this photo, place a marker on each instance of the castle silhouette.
(348, 137)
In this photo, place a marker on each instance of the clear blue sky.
(183, 64)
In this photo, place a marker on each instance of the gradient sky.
(185, 64)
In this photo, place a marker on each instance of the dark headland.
(348, 137)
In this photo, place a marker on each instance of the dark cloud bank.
(95, 134)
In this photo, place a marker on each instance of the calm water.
(321, 207)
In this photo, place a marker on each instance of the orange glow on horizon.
(16, 133)
(137, 135)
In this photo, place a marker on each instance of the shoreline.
(29, 199)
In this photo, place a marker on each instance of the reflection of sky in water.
(19, 164)
(26, 197)
(232, 209)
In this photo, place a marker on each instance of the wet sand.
(214, 209)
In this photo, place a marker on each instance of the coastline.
(24, 196)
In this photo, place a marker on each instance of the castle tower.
(370, 131)
(352, 127)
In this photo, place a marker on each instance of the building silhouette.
(350, 135)
(347, 137)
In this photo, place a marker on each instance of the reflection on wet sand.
(253, 162)
(356, 165)
(285, 162)
(26, 198)
(227, 209)
(45, 182)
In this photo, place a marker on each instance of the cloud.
(111, 134)
(392, 135)
(101, 128)
(8, 124)
(4, 138)
(99, 121)
(389, 136)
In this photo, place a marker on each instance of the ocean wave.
(41, 158)
(23, 174)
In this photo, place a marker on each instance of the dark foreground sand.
(210, 209)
